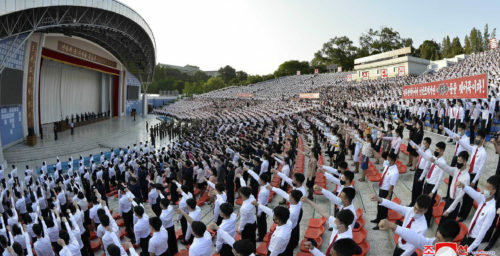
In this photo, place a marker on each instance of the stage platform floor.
(90, 139)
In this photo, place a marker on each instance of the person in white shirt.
(263, 198)
(195, 213)
(458, 174)
(166, 217)
(447, 232)
(341, 224)
(422, 165)
(295, 209)
(344, 246)
(239, 248)
(126, 211)
(202, 242)
(141, 228)
(476, 167)
(67, 240)
(228, 224)
(414, 219)
(281, 236)
(42, 246)
(434, 175)
(248, 218)
(220, 198)
(485, 213)
(157, 245)
(343, 201)
(460, 135)
(386, 184)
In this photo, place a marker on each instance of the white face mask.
(487, 194)
(418, 215)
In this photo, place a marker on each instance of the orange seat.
(437, 199)
(262, 249)
(461, 235)
(93, 235)
(396, 238)
(304, 254)
(120, 222)
(365, 247)
(182, 252)
(375, 178)
(239, 201)
(95, 245)
(402, 169)
(314, 232)
(437, 211)
(393, 215)
(396, 200)
(419, 252)
(361, 223)
(360, 236)
(447, 180)
(316, 223)
(359, 213)
(122, 233)
(116, 216)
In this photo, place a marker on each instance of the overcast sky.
(258, 35)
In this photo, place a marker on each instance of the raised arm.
(281, 193)
(316, 207)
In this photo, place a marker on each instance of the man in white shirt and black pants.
(422, 164)
(386, 184)
(458, 148)
(476, 167)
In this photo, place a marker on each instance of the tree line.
(339, 50)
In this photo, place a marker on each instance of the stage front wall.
(66, 90)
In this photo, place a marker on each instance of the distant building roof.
(189, 69)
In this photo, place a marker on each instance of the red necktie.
(383, 176)
(456, 149)
(473, 223)
(458, 112)
(471, 168)
(430, 172)
(331, 245)
(455, 184)
(408, 226)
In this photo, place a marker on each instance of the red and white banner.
(458, 88)
(401, 70)
(244, 95)
(339, 69)
(384, 73)
(314, 95)
(316, 71)
(493, 43)
(349, 77)
(365, 75)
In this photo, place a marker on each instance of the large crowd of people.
(235, 155)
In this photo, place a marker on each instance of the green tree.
(446, 47)
(338, 50)
(290, 67)
(476, 41)
(429, 49)
(486, 38)
(467, 45)
(200, 76)
(456, 47)
(241, 76)
(227, 73)
(214, 83)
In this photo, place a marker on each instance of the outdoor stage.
(90, 139)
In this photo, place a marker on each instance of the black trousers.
(381, 210)
(172, 241)
(428, 189)
(294, 237)
(493, 233)
(226, 250)
(417, 187)
(467, 201)
(86, 250)
(249, 232)
(262, 226)
(144, 242)
(183, 227)
(453, 215)
(128, 219)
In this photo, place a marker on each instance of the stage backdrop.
(66, 90)
(458, 88)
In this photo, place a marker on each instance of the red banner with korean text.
(365, 75)
(384, 73)
(458, 88)
(349, 77)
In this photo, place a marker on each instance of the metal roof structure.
(108, 23)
